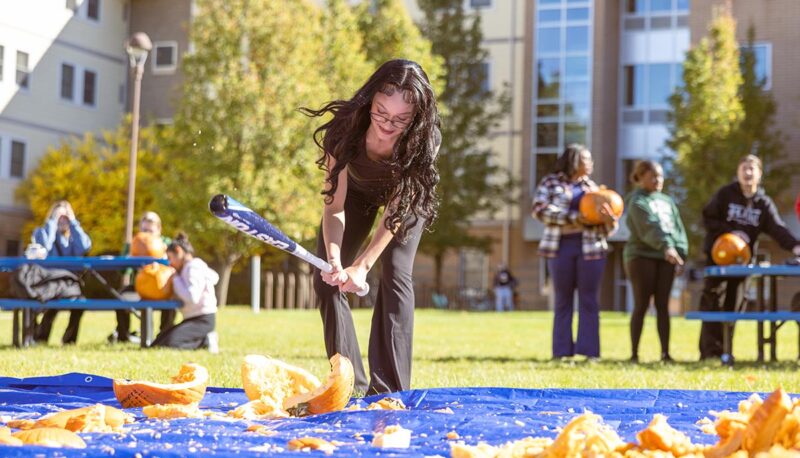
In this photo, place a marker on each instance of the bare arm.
(333, 222)
(357, 273)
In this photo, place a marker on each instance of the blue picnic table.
(91, 265)
(766, 307)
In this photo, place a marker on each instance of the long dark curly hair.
(414, 158)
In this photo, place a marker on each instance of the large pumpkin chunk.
(277, 387)
(189, 386)
(272, 380)
(50, 437)
(331, 396)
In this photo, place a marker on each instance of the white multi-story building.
(63, 72)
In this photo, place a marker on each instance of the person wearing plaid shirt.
(575, 249)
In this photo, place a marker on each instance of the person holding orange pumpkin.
(150, 223)
(655, 251)
(743, 208)
(576, 250)
(193, 283)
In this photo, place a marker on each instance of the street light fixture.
(137, 47)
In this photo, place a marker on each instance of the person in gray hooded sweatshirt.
(193, 283)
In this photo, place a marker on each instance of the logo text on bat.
(255, 233)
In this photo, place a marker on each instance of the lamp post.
(137, 47)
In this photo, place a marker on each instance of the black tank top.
(372, 180)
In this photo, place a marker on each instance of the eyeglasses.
(383, 119)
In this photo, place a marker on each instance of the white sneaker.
(213, 342)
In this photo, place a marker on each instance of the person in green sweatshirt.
(655, 251)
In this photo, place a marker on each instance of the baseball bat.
(251, 223)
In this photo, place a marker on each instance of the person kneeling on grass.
(193, 283)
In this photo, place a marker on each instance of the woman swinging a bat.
(379, 150)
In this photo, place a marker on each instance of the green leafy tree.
(237, 128)
(92, 174)
(389, 33)
(472, 183)
(757, 132)
(706, 112)
(345, 57)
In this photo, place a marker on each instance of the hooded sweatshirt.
(195, 287)
(729, 210)
(655, 225)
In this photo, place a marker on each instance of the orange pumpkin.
(148, 244)
(591, 203)
(154, 282)
(729, 249)
(188, 387)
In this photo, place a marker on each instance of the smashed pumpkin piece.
(96, 418)
(188, 387)
(331, 396)
(278, 389)
(50, 437)
(172, 411)
(586, 435)
(387, 404)
(258, 410)
(6, 438)
(265, 378)
(766, 421)
(311, 443)
(262, 430)
(394, 436)
(659, 435)
(24, 423)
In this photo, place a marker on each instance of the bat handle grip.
(360, 293)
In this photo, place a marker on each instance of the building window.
(23, 73)
(93, 9)
(67, 82)
(474, 269)
(480, 3)
(635, 6)
(12, 248)
(659, 84)
(72, 5)
(481, 72)
(563, 80)
(544, 166)
(89, 87)
(2, 51)
(762, 55)
(17, 159)
(121, 94)
(165, 56)
(633, 81)
(656, 7)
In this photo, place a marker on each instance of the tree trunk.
(225, 280)
(437, 262)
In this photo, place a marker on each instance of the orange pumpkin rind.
(189, 387)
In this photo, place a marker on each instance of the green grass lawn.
(450, 349)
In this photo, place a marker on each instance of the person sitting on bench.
(193, 283)
(61, 235)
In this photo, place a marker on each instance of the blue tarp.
(492, 415)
